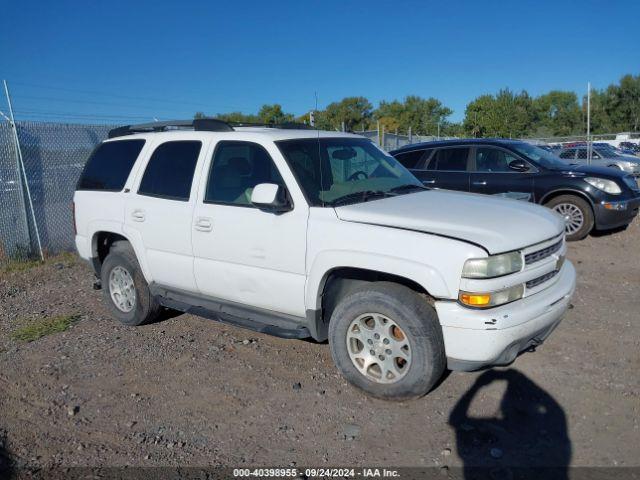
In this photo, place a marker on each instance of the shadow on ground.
(6, 463)
(526, 438)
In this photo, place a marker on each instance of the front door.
(492, 176)
(244, 254)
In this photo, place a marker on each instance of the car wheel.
(126, 292)
(577, 215)
(386, 340)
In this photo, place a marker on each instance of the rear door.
(159, 210)
(446, 168)
(492, 175)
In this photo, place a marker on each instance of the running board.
(263, 321)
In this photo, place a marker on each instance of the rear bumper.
(625, 212)
(528, 322)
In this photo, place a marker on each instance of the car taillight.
(73, 214)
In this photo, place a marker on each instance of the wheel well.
(575, 193)
(340, 281)
(101, 246)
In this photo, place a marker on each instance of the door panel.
(446, 169)
(492, 175)
(159, 213)
(248, 255)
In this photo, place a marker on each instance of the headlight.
(492, 299)
(494, 266)
(608, 186)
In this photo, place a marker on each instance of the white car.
(302, 233)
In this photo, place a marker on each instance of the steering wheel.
(359, 175)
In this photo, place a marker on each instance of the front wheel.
(577, 214)
(386, 340)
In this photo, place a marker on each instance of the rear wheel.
(386, 340)
(577, 215)
(126, 292)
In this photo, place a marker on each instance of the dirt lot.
(193, 391)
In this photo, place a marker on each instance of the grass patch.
(22, 265)
(36, 329)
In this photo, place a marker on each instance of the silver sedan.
(601, 157)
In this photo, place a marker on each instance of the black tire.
(414, 316)
(585, 209)
(146, 308)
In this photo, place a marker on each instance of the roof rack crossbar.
(198, 124)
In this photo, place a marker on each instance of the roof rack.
(198, 124)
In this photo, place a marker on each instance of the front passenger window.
(493, 160)
(236, 169)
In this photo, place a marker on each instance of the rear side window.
(169, 173)
(568, 154)
(410, 159)
(450, 159)
(109, 166)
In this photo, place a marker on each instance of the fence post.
(20, 161)
(410, 136)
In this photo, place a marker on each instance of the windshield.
(334, 171)
(539, 155)
(606, 151)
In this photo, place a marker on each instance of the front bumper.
(496, 336)
(618, 214)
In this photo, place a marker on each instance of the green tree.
(557, 113)
(505, 115)
(273, 114)
(355, 112)
(422, 115)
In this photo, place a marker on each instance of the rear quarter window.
(109, 166)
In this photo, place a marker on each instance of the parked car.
(587, 197)
(302, 233)
(601, 156)
(630, 146)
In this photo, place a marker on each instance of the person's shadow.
(527, 438)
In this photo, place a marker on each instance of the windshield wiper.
(361, 196)
(406, 187)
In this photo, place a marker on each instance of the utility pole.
(589, 123)
(21, 168)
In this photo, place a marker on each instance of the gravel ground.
(189, 391)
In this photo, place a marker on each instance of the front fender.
(330, 260)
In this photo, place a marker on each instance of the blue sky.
(139, 60)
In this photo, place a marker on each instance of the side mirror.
(270, 197)
(519, 166)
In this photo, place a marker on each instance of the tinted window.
(109, 166)
(582, 154)
(170, 170)
(237, 168)
(568, 154)
(493, 160)
(452, 159)
(410, 159)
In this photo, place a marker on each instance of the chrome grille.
(537, 281)
(534, 257)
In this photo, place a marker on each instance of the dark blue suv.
(587, 197)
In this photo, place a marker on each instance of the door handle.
(428, 182)
(138, 215)
(483, 182)
(203, 224)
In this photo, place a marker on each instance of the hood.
(497, 224)
(591, 170)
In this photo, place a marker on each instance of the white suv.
(302, 233)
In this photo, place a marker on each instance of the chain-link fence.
(35, 214)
